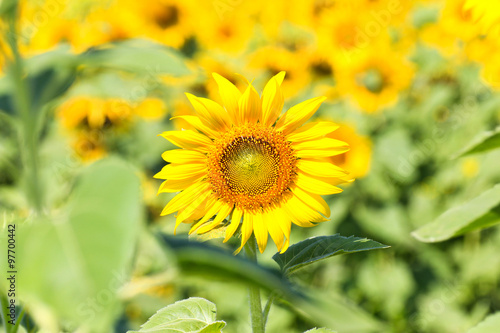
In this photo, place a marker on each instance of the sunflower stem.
(22, 102)
(256, 313)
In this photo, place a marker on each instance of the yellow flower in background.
(89, 146)
(485, 13)
(230, 33)
(246, 163)
(481, 50)
(271, 60)
(169, 22)
(374, 79)
(357, 160)
(94, 112)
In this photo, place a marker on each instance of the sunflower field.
(285, 166)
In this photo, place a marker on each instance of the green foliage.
(489, 325)
(315, 249)
(479, 213)
(209, 261)
(137, 56)
(320, 330)
(77, 262)
(484, 142)
(192, 315)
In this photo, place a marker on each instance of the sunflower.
(246, 164)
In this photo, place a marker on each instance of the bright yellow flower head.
(246, 163)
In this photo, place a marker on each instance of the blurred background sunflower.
(410, 82)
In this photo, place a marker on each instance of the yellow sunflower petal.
(223, 213)
(323, 143)
(185, 197)
(246, 230)
(235, 223)
(313, 200)
(313, 131)
(230, 96)
(189, 210)
(250, 105)
(210, 112)
(285, 224)
(182, 156)
(297, 115)
(260, 231)
(196, 122)
(176, 185)
(272, 99)
(301, 214)
(188, 139)
(313, 185)
(214, 209)
(320, 168)
(274, 228)
(176, 171)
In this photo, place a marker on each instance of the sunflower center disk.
(251, 167)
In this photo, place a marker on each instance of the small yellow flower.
(272, 60)
(485, 13)
(246, 163)
(375, 78)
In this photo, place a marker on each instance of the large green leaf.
(73, 265)
(199, 258)
(328, 309)
(484, 142)
(315, 249)
(138, 56)
(192, 315)
(319, 330)
(479, 213)
(490, 325)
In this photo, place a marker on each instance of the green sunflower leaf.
(315, 249)
(197, 258)
(73, 265)
(320, 330)
(489, 325)
(484, 142)
(137, 56)
(192, 315)
(479, 213)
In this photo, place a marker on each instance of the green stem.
(29, 135)
(256, 314)
(267, 308)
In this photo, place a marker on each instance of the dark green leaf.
(314, 249)
(484, 142)
(479, 213)
(207, 260)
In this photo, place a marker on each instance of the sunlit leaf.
(490, 325)
(74, 265)
(484, 142)
(479, 213)
(315, 249)
(192, 315)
